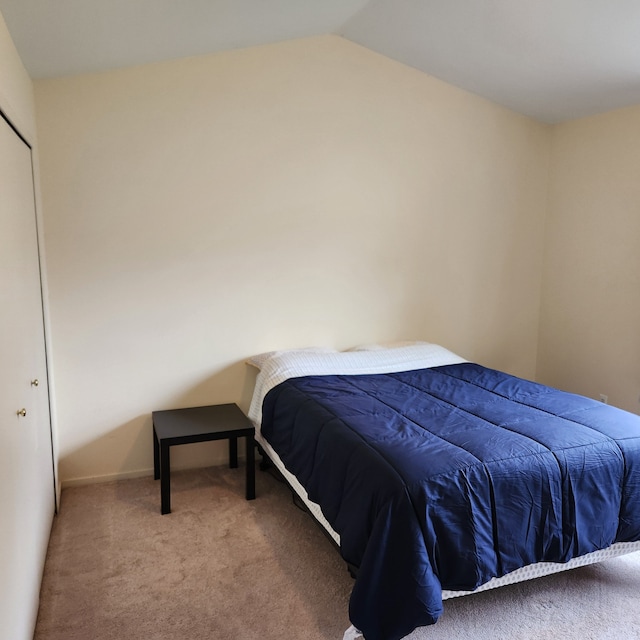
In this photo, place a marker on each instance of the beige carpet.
(222, 568)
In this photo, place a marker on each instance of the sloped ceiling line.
(552, 60)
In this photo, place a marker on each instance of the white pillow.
(258, 360)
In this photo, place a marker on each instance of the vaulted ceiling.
(552, 60)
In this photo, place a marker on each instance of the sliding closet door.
(26, 467)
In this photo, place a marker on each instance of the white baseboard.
(127, 475)
(111, 477)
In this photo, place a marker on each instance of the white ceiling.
(553, 60)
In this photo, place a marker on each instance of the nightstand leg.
(156, 456)
(165, 483)
(251, 468)
(233, 453)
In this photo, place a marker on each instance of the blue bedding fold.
(444, 478)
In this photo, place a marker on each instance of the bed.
(439, 477)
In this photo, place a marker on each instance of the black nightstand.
(200, 424)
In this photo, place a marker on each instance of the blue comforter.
(444, 478)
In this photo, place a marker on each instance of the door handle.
(21, 412)
(35, 383)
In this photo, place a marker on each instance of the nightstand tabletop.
(194, 421)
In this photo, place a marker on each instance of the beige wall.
(309, 192)
(590, 319)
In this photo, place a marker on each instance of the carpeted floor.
(222, 568)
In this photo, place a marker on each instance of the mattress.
(466, 476)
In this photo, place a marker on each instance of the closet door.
(27, 495)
